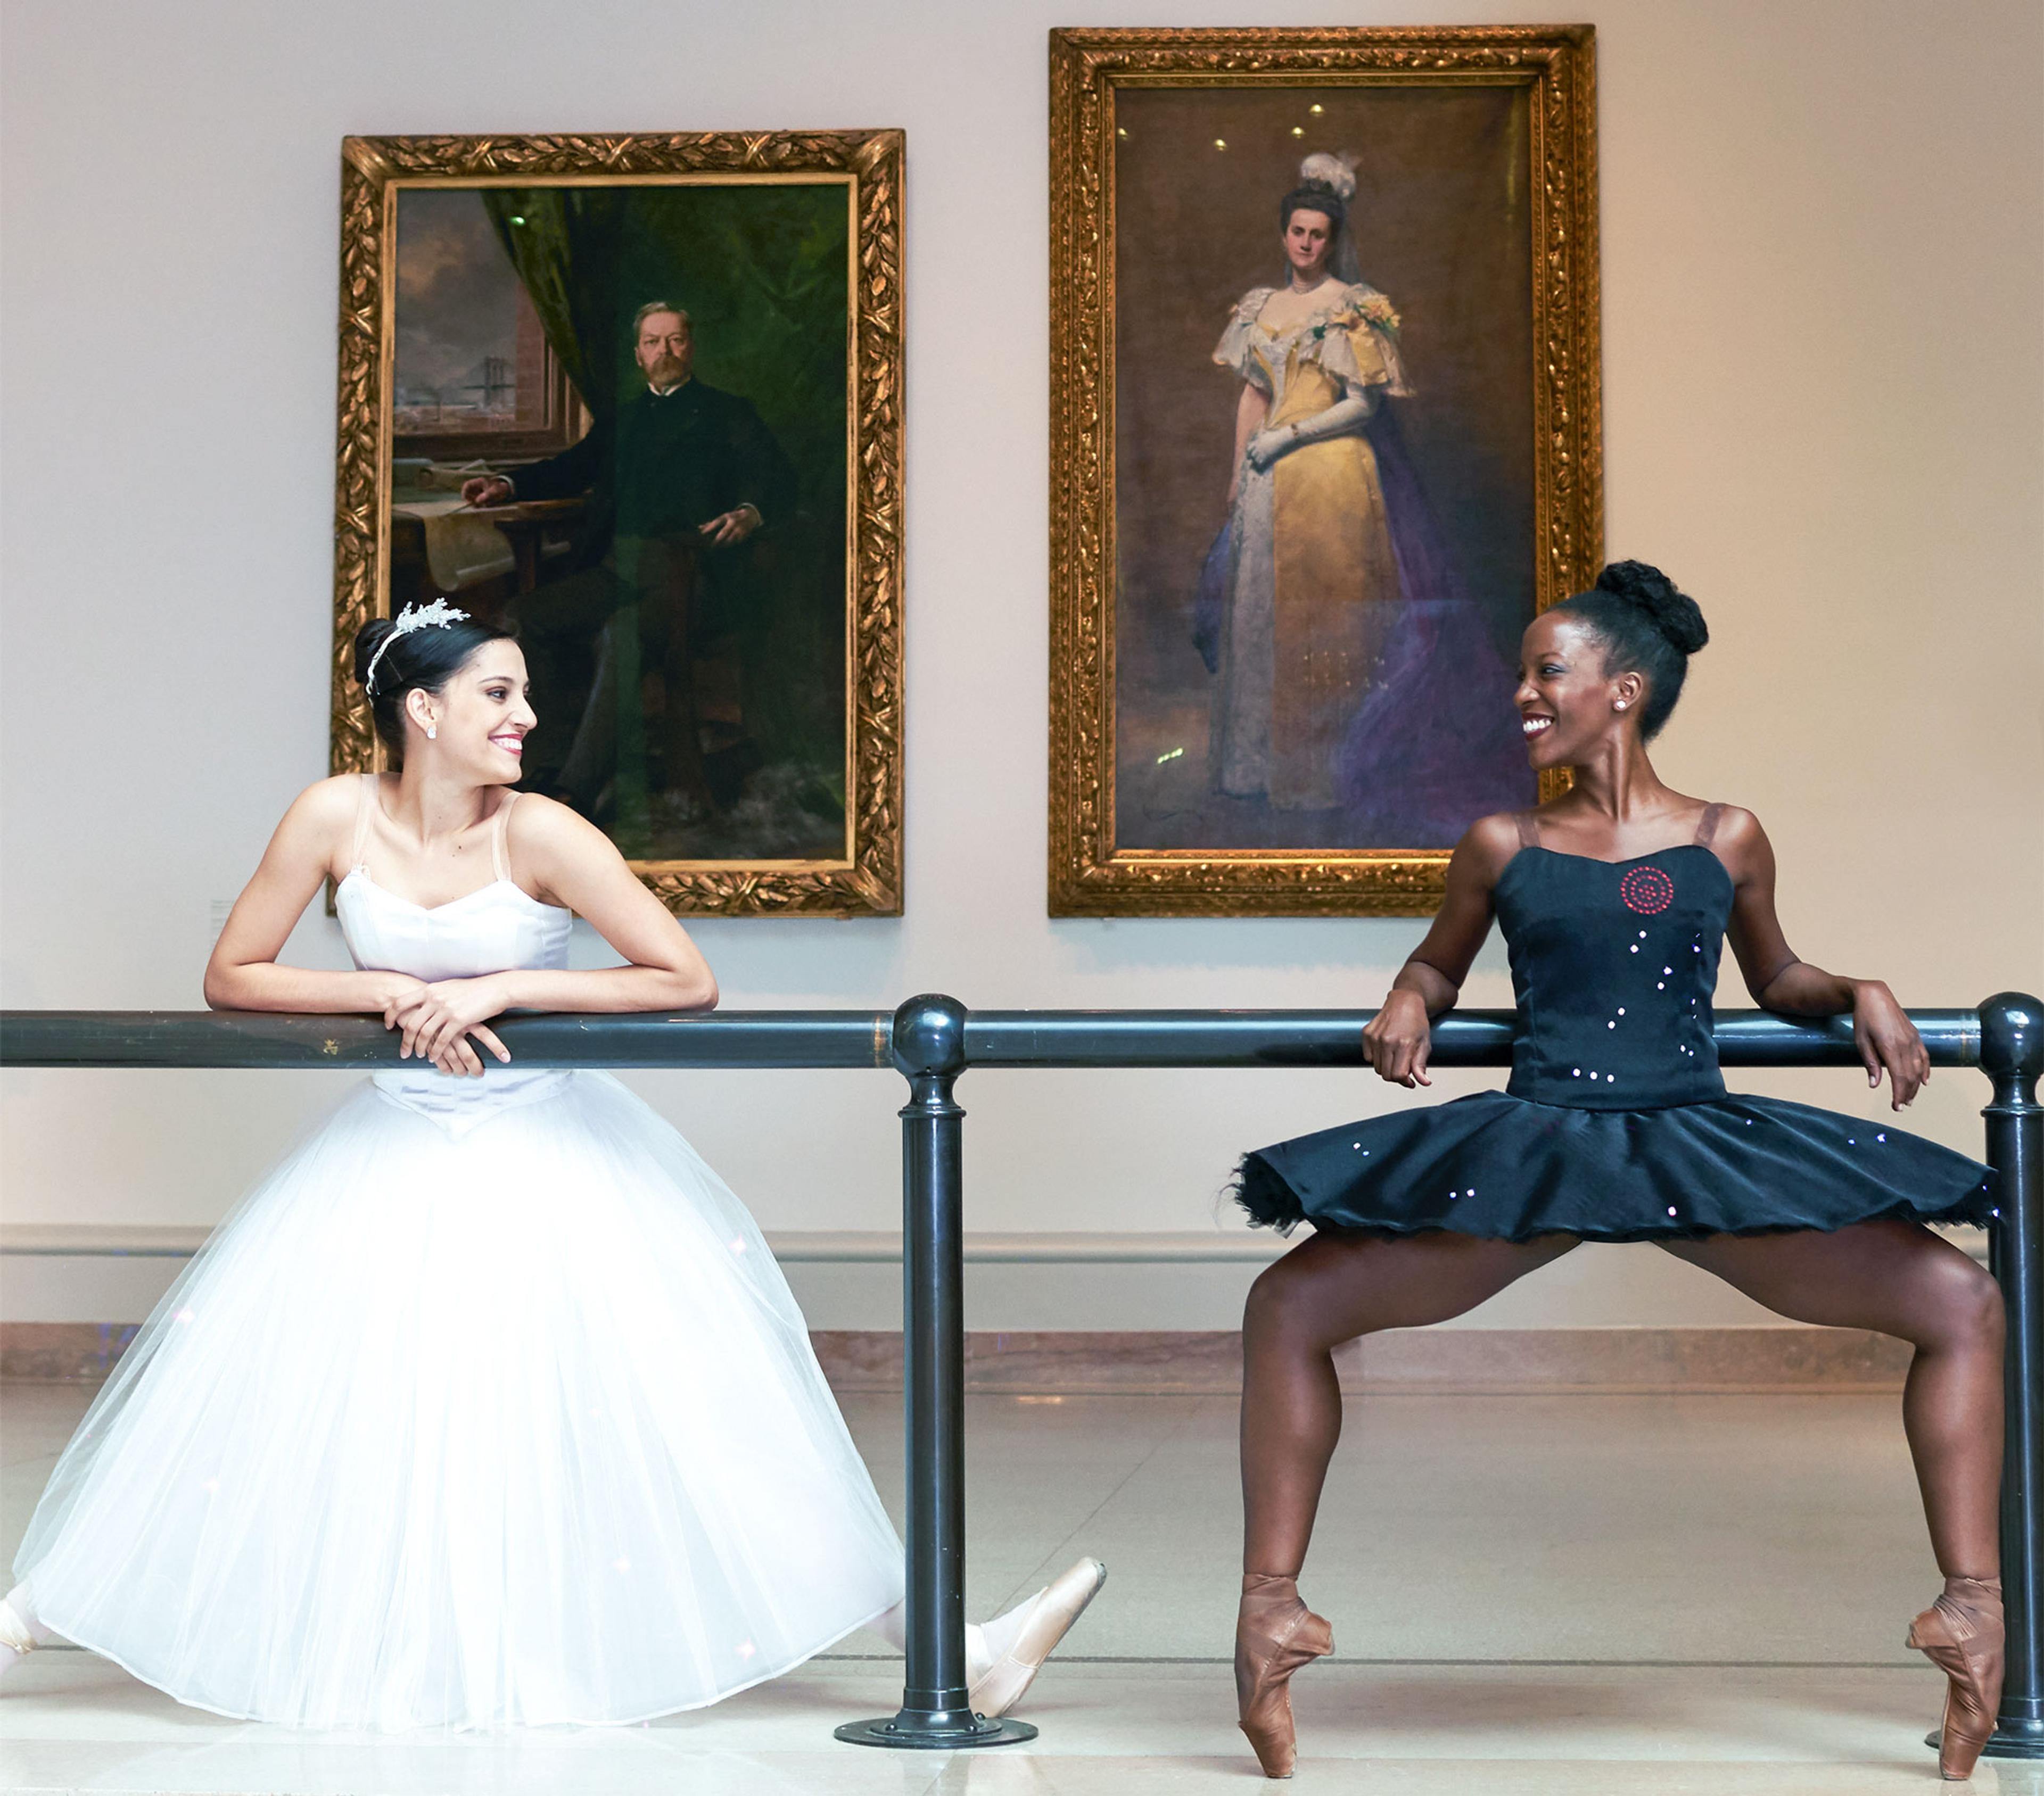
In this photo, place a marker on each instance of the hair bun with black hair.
(368, 639)
(1671, 611)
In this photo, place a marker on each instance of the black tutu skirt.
(1506, 1168)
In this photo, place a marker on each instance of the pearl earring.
(1618, 706)
(433, 735)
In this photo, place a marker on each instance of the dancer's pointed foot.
(20, 1634)
(1003, 1657)
(1275, 1634)
(1962, 1634)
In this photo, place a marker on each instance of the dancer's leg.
(1328, 1290)
(1899, 1279)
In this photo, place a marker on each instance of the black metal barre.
(931, 1040)
(824, 1039)
(279, 1039)
(1335, 1039)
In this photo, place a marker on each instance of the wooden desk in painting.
(485, 557)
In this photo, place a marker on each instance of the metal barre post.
(2012, 1056)
(936, 1714)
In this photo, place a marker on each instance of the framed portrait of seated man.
(639, 398)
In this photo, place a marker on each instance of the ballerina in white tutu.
(489, 1405)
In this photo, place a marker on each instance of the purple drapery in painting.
(1435, 744)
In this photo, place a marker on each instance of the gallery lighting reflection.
(1170, 755)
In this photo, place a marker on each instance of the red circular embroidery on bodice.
(1647, 890)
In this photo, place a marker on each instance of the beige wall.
(1822, 271)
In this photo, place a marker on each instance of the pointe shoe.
(1274, 1635)
(16, 1642)
(996, 1679)
(1962, 1633)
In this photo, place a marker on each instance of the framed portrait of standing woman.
(639, 396)
(1324, 438)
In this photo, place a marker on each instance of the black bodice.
(1613, 964)
(1615, 1125)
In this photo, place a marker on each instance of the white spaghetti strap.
(499, 859)
(364, 804)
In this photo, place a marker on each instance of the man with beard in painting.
(682, 476)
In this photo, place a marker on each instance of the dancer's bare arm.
(1400, 1038)
(1887, 1040)
(571, 862)
(243, 973)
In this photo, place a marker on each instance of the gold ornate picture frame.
(688, 348)
(1281, 642)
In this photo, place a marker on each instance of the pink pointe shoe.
(18, 1636)
(1002, 1658)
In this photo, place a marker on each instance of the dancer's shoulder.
(550, 837)
(1490, 841)
(1733, 834)
(335, 801)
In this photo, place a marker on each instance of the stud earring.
(1618, 706)
(433, 735)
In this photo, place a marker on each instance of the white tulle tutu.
(511, 1424)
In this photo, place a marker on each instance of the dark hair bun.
(1671, 611)
(368, 639)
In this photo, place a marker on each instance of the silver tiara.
(414, 616)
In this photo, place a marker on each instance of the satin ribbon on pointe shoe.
(995, 1686)
(1963, 1633)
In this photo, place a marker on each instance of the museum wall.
(1822, 266)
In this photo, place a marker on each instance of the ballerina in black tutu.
(1616, 1126)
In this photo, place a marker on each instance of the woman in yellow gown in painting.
(1313, 578)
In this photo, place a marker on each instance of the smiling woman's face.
(480, 717)
(1566, 699)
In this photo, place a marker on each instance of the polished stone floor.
(1593, 1595)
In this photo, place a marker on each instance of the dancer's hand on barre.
(1398, 1039)
(1887, 1040)
(439, 1019)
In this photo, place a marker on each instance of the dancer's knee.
(1265, 1310)
(1963, 1305)
(1287, 1306)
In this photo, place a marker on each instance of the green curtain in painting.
(564, 243)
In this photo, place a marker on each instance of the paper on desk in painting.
(462, 549)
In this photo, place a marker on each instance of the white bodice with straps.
(493, 929)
